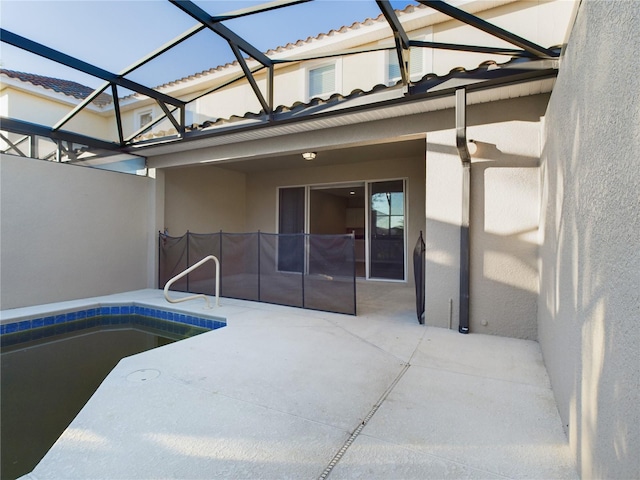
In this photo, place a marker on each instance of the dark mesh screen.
(300, 270)
(203, 279)
(173, 260)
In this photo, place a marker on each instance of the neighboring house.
(553, 220)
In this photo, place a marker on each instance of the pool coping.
(28, 318)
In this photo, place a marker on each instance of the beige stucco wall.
(71, 232)
(504, 220)
(204, 199)
(589, 304)
(26, 106)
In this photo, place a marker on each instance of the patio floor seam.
(340, 453)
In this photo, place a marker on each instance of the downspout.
(465, 158)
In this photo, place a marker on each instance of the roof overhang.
(537, 78)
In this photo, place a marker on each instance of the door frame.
(367, 214)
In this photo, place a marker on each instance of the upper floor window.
(322, 80)
(416, 66)
(144, 118)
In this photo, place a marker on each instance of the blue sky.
(114, 34)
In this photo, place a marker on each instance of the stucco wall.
(45, 111)
(70, 232)
(504, 220)
(204, 199)
(589, 304)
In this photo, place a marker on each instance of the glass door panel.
(386, 230)
(291, 216)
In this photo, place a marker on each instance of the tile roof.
(299, 43)
(488, 70)
(66, 87)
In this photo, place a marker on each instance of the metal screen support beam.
(82, 66)
(270, 84)
(179, 126)
(116, 108)
(489, 28)
(81, 105)
(400, 37)
(167, 46)
(265, 7)
(250, 78)
(512, 52)
(13, 146)
(27, 128)
(203, 17)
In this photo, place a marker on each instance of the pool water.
(49, 373)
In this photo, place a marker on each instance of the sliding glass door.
(386, 230)
(340, 209)
(291, 223)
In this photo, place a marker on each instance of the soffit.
(387, 104)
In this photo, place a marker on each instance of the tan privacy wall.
(71, 232)
(204, 199)
(589, 304)
(504, 220)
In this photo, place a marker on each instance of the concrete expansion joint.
(336, 458)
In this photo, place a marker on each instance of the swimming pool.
(53, 363)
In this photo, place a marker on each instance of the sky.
(115, 34)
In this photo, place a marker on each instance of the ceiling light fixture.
(309, 155)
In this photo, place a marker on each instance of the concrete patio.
(289, 393)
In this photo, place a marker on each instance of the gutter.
(465, 255)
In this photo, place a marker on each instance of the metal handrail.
(193, 297)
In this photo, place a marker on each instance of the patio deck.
(280, 391)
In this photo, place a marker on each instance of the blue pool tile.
(3, 329)
(24, 325)
(12, 327)
(114, 310)
(125, 309)
(104, 310)
(170, 316)
(164, 314)
(48, 321)
(82, 314)
(91, 312)
(37, 322)
(71, 316)
(59, 319)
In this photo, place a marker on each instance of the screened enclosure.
(300, 270)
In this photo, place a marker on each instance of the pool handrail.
(200, 295)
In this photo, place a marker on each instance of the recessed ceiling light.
(309, 155)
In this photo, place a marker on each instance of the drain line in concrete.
(334, 461)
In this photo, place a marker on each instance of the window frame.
(311, 66)
(139, 114)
